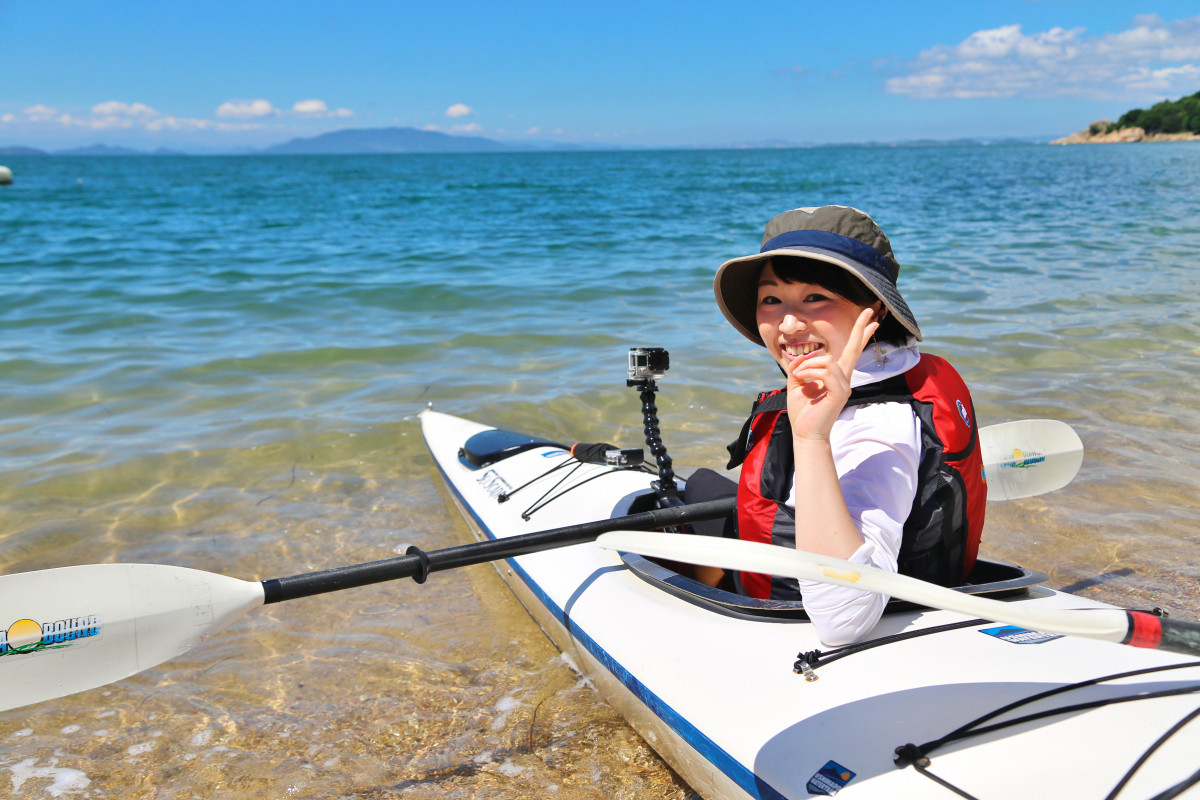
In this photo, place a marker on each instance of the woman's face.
(796, 319)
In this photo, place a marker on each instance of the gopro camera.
(647, 365)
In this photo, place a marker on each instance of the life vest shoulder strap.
(770, 401)
(766, 402)
(932, 382)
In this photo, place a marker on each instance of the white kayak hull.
(716, 696)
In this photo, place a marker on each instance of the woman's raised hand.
(818, 386)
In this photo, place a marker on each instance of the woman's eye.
(815, 297)
(769, 300)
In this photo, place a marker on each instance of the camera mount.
(647, 366)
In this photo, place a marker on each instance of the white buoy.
(5, 176)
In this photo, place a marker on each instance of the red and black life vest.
(942, 531)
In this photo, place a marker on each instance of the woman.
(869, 453)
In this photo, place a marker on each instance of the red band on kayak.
(1145, 630)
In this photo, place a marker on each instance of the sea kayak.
(742, 700)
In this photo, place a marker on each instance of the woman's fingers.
(817, 374)
(819, 384)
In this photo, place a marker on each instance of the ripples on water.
(215, 363)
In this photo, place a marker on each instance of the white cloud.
(40, 113)
(318, 108)
(118, 116)
(92, 123)
(113, 115)
(115, 108)
(169, 123)
(99, 123)
(459, 110)
(472, 127)
(247, 109)
(315, 107)
(1161, 81)
(1151, 56)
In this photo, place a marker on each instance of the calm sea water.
(216, 363)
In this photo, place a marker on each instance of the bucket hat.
(838, 235)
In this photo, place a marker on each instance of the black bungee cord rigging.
(646, 366)
(917, 756)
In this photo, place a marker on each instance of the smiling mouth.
(800, 350)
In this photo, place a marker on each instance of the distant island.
(89, 150)
(367, 141)
(1168, 121)
(386, 140)
(349, 141)
(22, 151)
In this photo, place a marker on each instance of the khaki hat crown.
(841, 236)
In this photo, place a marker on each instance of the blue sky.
(220, 76)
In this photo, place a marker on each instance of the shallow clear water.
(216, 363)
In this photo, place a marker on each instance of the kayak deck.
(713, 690)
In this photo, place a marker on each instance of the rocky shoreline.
(1098, 133)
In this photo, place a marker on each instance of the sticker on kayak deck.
(1011, 633)
(830, 779)
(493, 484)
(28, 636)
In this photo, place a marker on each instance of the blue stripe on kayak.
(733, 769)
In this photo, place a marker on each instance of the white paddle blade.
(74, 628)
(1029, 457)
(1108, 624)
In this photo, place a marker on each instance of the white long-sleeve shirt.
(876, 452)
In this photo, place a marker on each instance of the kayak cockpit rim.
(992, 579)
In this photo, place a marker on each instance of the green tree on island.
(1169, 116)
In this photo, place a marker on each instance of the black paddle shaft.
(418, 564)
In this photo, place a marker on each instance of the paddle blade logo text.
(28, 636)
(1022, 460)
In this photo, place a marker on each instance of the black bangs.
(794, 269)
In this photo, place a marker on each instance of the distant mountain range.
(22, 151)
(90, 150)
(387, 140)
(360, 141)
(349, 141)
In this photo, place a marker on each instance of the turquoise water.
(216, 363)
